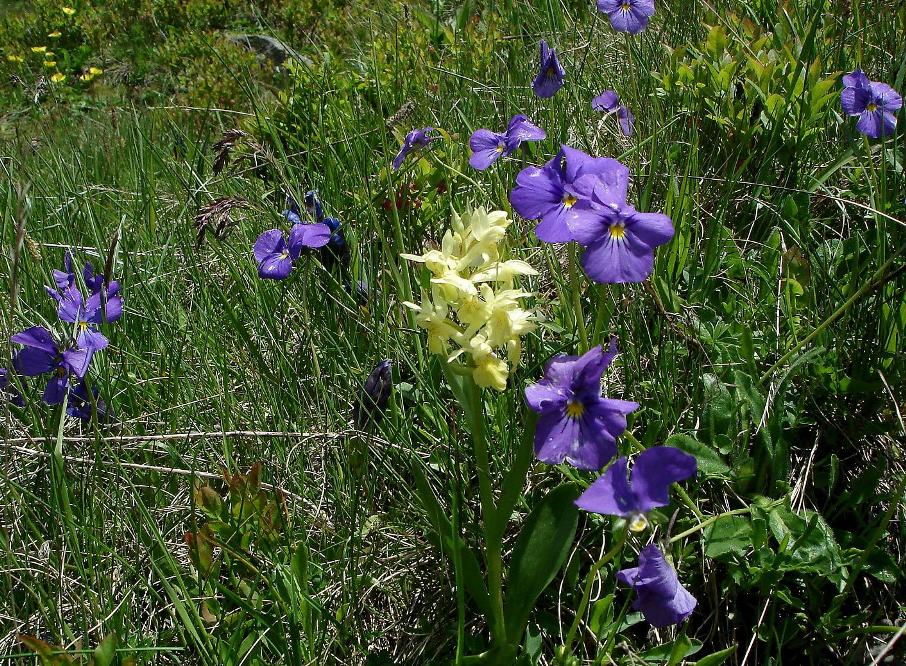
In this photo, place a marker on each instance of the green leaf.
(728, 535)
(677, 649)
(105, 651)
(710, 464)
(716, 658)
(299, 565)
(541, 549)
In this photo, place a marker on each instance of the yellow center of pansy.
(574, 409)
(500, 148)
(618, 231)
(872, 107)
(569, 201)
(638, 522)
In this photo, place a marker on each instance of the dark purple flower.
(628, 15)
(562, 189)
(104, 303)
(417, 138)
(85, 315)
(40, 354)
(375, 395)
(619, 240)
(10, 391)
(874, 102)
(79, 405)
(275, 255)
(312, 207)
(652, 473)
(659, 595)
(550, 73)
(576, 424)
(488, 146)
(336, 252)
(608, 102)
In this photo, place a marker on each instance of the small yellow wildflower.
(95, 71)
(50, 64)
(69, 11)
(12, 57)
(58, 77)
(86, 77)
(38, 49)
(56, 34)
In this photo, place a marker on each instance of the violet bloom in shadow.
(487, 146)
(609, 102)
(275, 254)
(79, 405)
(562, 189)
(417, 138)
(550, 73)
(576, 424)
(659, 594)
(619, 241)
(874, 102)
(374, 396)
(652, 473)
(40, 355)
(8, 390)
(630, 16)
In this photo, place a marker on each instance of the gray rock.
(272, 48)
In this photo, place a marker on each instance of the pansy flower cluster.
(474, 304)
(67, 362)
(276, 253)
(583, 198)
(576, 425)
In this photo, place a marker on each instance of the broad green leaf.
(541, 549)
(728, 535)
(664, 654)
(105, 652)
(716, 658)
(710, 464)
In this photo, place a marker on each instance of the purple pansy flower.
(576, 424)
(488, 146)
(628, 15)
(652, 473)
(275, 255)
(562, 189)
(374, 396)
(550, 73)
(874, 102)
(660, 596)
(619, 240)
(40, 354)
(608, 101)
(10, 391)
(417, 138)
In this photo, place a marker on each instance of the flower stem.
(577, 299)
(493, 540)
(586, 594)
